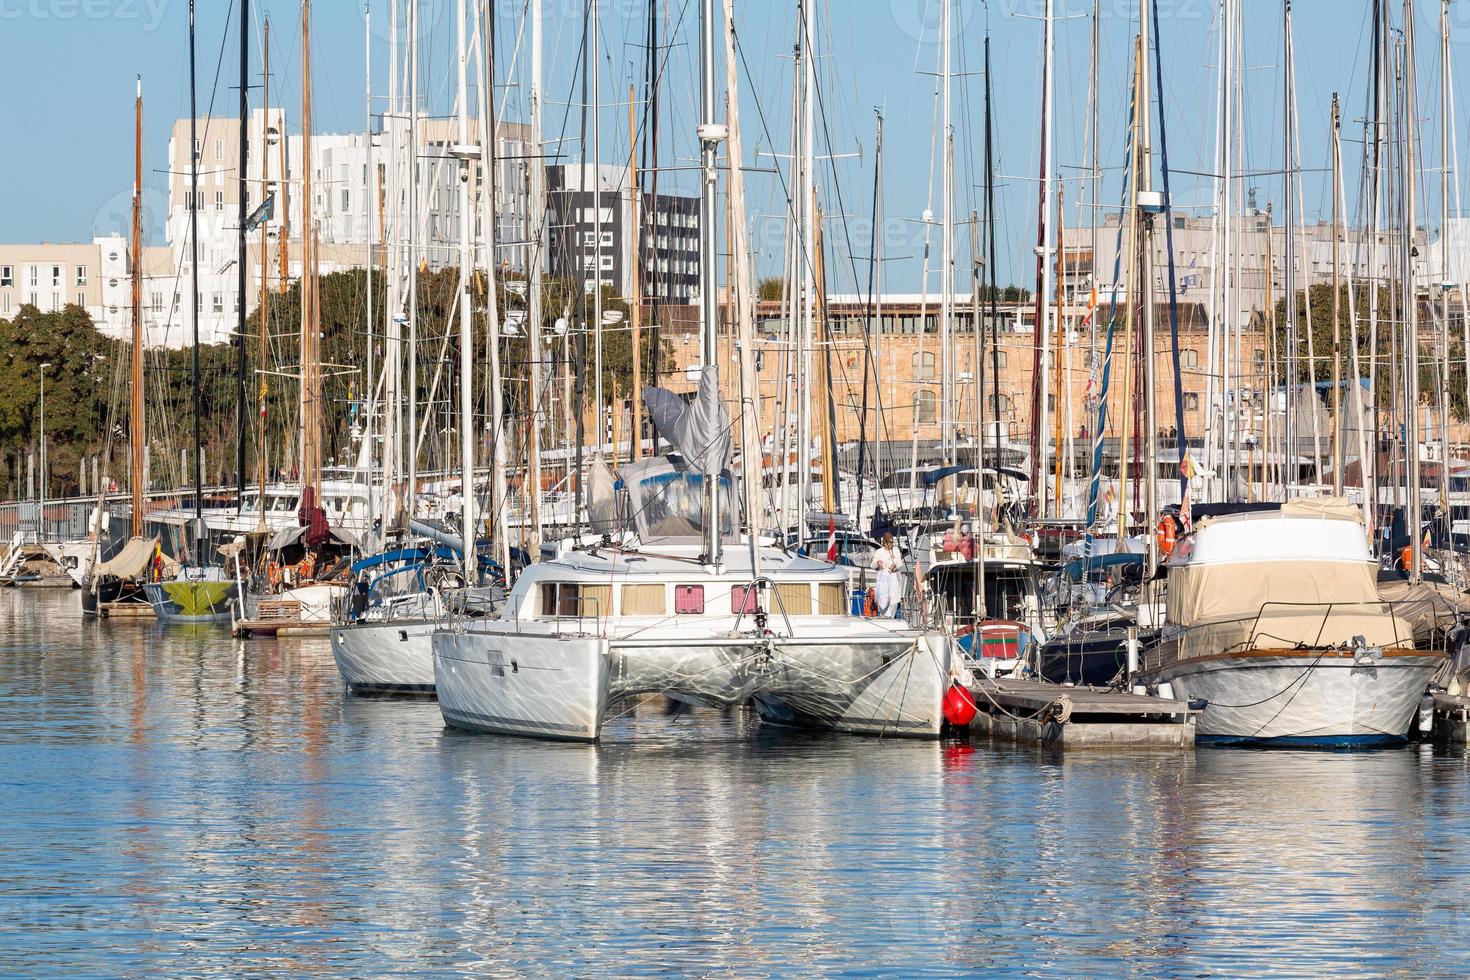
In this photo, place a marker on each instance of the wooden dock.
(279, 617)
(126, 610)
(1079, 717)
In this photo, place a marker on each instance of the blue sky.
(68, 66)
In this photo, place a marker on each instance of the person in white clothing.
(887, 562)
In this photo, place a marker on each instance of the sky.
(68, 68)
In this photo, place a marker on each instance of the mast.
(311, 383)
(532, 483)
(980, 610)
(742, 297)
(411, 382)
(467, 154)
(198, 535)
(135, 477)
(635, 313)
(1288, 426)
(489, 214)
(1145, 191)
(1041, 333)
(594, 61)
(370, 206)
(242, 283)
(1337, 426)
(710, 135)
(1410, 305)
(946, 244)
(263, 331)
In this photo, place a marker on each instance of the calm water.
(177, 803)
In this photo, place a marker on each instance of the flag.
(831, 538)
(262, 214)
(1187, 469)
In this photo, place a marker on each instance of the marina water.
(180, 803)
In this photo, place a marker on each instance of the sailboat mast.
(411, 451)
(488, 216)
(136, 421)
(242, 281)
(710, 135)
(311, 400)
(262, 321)
(531, 486)
(194, 289)
(1337, 426)
(1041, 335)
(1410, 304)
(1288, 427)
(466, 154)
(946, 235)
(1150, 365)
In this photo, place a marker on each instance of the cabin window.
(831, 599)
(794, 598)
(743, 600)
(689, 600)
(570, 600)
(644, 600)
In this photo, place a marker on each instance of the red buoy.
(959, 706)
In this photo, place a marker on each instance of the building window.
(81, 299)
(35, 276)
(5, 303)
(924, 366)
(1000, 359)
(1260, 358)
(1191, 401)
(55, 301)
(219, 200)
(156, 302)
(219, 149)
(7, 275)
(81, 275)
(1002, 404)
(56, 275)
(1188, 358)
(346, 200)
(926, 407)
(198, 148)
(219, 303)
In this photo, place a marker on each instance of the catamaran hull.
(394, 657)
(1303, 699)
(559, 687)
(508, 684)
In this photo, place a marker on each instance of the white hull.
(493, 678)
(394, 656)
(1303, 698)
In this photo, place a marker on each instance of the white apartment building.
(50, 277)
(351, 210)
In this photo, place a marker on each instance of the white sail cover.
(601, 498)
(698, 430)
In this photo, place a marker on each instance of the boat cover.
(133, 560)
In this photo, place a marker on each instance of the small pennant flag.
(831, 538)
(262, 214)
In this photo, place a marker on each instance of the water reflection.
(178, 802)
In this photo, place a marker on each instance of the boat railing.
(770, 589)
(1301, 626)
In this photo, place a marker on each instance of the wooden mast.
(311, 394)
(135, 476)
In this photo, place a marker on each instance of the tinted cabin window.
(743, 599)
(689, 600)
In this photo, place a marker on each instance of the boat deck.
(1040, 713)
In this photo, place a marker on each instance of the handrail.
(1328, 609)
(771, 586)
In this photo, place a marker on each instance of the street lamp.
(43, 370)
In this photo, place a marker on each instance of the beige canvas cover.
(1426, 605)
(1335, 508)
(1200, 593)
(133, 560)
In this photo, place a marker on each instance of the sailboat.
(116, 584)
(198, 593)
(674, 599)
